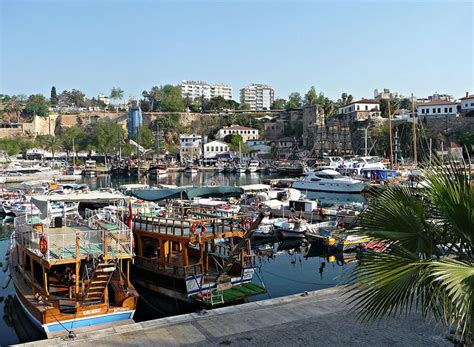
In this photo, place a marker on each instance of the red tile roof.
(238, 127)
(437, 102)
(467, 97)
(364, 101)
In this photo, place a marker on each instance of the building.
(437, 108)
(258, 96)
(190, 146)
(246, 133)
(104, 98)
(386, 94)
(214, 148)
(135, 120)
(361, 110)
(467, 103)
(198, 89)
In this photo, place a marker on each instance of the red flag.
(130, 215)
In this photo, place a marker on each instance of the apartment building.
(258, 96)
(437, 108)
(198, 89)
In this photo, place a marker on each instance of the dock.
(57, 178)
(316, 318)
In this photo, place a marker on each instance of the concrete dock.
(320, 318)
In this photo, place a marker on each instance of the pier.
(316, 318)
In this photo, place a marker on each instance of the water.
(285, 268)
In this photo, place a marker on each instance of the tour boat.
(195, 255)
(329, 181)
(71, 273)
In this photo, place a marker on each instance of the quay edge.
(303, 319)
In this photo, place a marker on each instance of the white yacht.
(252, 166)
(329, 181)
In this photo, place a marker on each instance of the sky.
(418, 47)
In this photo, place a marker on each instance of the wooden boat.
(195, 255)
(71, 273)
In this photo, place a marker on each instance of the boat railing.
(155, 264)
(77, 243)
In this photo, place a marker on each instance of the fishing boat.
(252, 166)
(195, 255)
(158, 170)
(72, 273)
(293, 228)
(90, 168)
(329, 181)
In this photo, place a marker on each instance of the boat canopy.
(43, 201)
(380, 174)
(256, 188)
(187, 193)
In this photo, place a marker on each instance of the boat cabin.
(71, 272)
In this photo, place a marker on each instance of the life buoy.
(340, 223)
(43, 244)
(246, 223)
(198, 228)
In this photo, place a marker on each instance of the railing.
(154, 264)
(62, 245)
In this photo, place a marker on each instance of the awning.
(42, 201)
(187, 193)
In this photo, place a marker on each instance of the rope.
(152, 306)
(302, 282)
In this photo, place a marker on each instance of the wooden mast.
(415, 160)
(390, 134)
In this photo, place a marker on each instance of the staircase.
(100, 278)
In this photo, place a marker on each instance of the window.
(212, 148)
(422, 111)
(366, 107)
(434, 110)
(427, 110)
(472, 104)
(450, 109)
(439, 109)
(445, 110)
(358, 107)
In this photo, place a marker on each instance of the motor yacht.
(329, 181)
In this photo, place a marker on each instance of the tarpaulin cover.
(186, 193)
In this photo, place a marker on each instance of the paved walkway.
(318, 319)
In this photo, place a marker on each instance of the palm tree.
(116, 94)
(429, 262)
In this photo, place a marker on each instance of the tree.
(311, 97)
(278, 104)
(48, 142)
(13, 105)
(72, 138)
(405, 104)
(107, 137)
(294, 101)
(428, 262)
(245, 106)
(37, 105)
(54, 97)
(144, 138)
(116, 94)
(170, 99)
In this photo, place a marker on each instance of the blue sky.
(353, 46)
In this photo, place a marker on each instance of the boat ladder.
(100, 279)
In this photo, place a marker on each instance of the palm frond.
(456, 284)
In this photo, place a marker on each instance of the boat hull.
(354, 188)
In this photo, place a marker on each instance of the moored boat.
(71, 273)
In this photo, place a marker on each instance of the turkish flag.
(130, 215)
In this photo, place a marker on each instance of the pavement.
(320, 318)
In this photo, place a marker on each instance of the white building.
(246, 133)
(361, 109)
(467, 103)
(258, 96)
(437, 108)
(213, 148)
(197, 89)
(190, 146)
(104, 98)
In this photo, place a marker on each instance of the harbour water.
(284, 268)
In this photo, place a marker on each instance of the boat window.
(315, 179)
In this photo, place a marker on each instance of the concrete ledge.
(296, 319)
